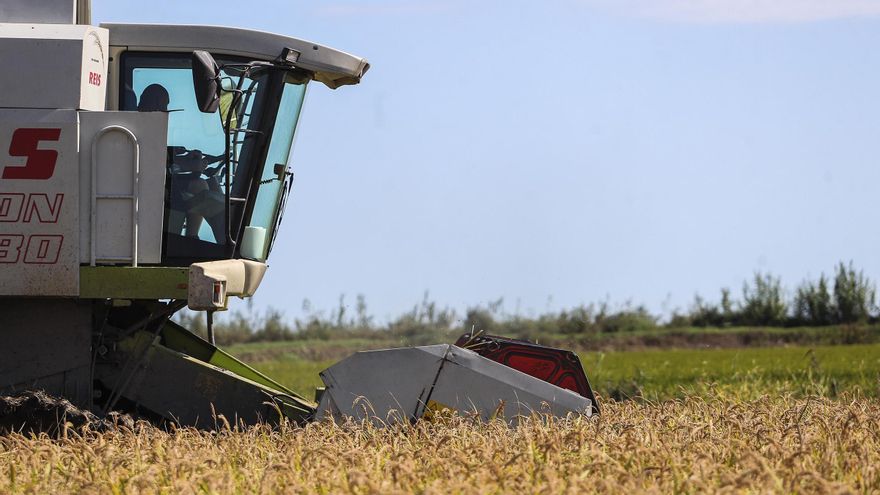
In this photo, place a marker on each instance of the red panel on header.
(557, 366)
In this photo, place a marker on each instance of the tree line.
(847, 296)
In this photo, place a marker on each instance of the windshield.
(196, 226)
(275, 179)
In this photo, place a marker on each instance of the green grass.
(298, 374)
(662, 373)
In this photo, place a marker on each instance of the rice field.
(770, 444)
(782, 420)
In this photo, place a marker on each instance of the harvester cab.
(147, 170)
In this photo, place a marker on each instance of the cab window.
(195, 204)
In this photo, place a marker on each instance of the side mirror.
(206, 81)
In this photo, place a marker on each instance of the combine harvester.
(144, 169)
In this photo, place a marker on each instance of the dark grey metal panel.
(46, 344)
(183, 389)
(389, 385)
(41, 11)
(73, 385)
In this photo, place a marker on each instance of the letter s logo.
(40, 164)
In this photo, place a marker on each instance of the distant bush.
(853, 295)
(680, 320)
(628, 319)
(576, 321)
(704, 314)
(273, 328)
(763, 303)
(424, 324)
(813, 304)
(479, 320)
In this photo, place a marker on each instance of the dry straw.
(778, 444)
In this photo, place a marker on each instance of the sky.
(565, 152)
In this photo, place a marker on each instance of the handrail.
(133, 196)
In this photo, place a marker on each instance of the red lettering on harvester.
(10, 247)
(40, 164)
(43, 249)
(38, 206)
(10, 206)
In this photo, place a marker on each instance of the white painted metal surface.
(332, 67)
(212, 281)
(53, 66)
(110, 224)
(394, 385)
(253, 243)
(39, 203)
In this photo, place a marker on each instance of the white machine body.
(86, 180)
(54, 139)
(54, 66)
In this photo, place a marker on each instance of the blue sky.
(565, 152)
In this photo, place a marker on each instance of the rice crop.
(711, 443)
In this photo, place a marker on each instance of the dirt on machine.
(146, 170)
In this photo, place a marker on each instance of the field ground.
(784, 419)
